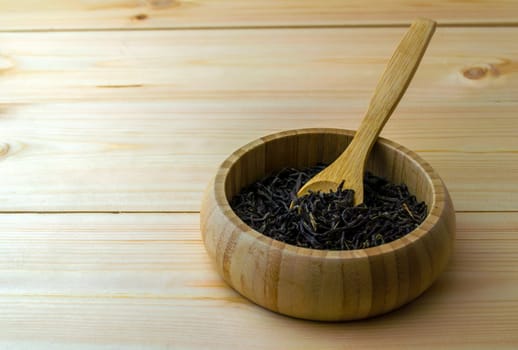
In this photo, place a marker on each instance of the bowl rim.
(438, 200)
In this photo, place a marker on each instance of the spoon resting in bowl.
(349, 166)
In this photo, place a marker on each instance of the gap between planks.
(255, 27)
(2, 212)
(7, 212)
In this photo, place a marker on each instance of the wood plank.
(104, 121)
(101, 281)
(131, 14)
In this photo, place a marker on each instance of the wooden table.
(115, 114)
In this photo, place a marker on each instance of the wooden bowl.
(319, 284)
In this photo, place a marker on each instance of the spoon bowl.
(320, 284)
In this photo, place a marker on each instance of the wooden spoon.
(349, 166)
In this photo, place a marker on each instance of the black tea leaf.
(328, 221)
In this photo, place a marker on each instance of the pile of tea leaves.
(328, 221)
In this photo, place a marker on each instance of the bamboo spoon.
(349, 166)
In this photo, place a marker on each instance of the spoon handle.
(391, 87)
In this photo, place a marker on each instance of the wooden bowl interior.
(307, 149)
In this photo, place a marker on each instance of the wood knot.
(482, 71)
(141, 17)
(5, 64)
(4, 149)
(474, 73)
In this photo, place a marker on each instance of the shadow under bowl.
(320, 284)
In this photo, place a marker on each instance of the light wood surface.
(81, 106)
(349, 167)
(145, 281)
(97, 120)
(134, 14)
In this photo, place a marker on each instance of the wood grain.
(145, 281)
(103, 121)
(137, 14)
(225, 65)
